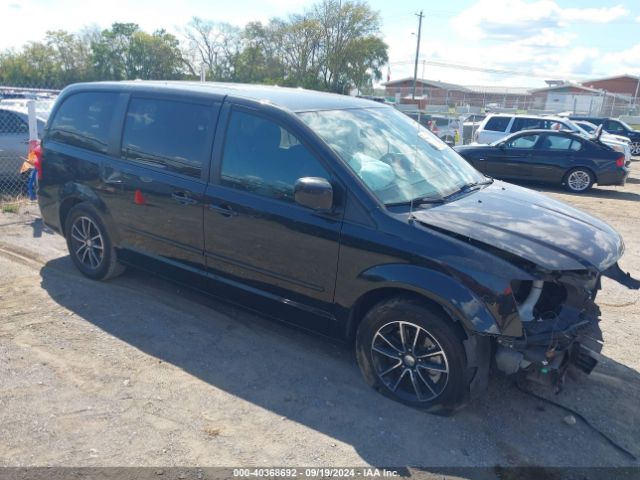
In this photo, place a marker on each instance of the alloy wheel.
(635, 148)
(579, 180)
(87, 242)
(409, 361)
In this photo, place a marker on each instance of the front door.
(512, 159)
(256, 236)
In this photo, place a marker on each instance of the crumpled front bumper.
(570, 335)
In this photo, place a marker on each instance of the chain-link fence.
(450, 98)
(15, 171)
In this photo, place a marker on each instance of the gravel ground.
(139, 372)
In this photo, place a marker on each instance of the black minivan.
(337, 214)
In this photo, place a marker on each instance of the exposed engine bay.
(560, 321)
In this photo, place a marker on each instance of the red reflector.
(35, 156)
(620, 162)
(138, 198)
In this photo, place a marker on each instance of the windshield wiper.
(418, 201)
(468, 187)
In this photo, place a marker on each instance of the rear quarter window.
(84, 120)
(497, 124)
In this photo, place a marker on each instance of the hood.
(530, 225)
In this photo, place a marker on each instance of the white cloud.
(505, 19)
(28, 20)
(594, 15)
(527, 39)
(625, 61)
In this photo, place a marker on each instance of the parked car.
(335, 214)
(497, 127)
(470, 125)
(559, 157)
(591, 128)
(14, 140)
(615, 127)
(443, 127)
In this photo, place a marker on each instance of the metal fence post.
(33, 122)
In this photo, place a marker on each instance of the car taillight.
(35, 156)
(620, 161)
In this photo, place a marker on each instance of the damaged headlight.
(538, 299)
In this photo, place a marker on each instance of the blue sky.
(522, 41)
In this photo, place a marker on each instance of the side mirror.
(502, 145)
(314, 193)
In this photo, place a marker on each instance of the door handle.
(224, 210)
(183, 198)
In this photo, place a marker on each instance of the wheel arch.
(429, 286)
(76, 194)
(477, 347)
(577, 167)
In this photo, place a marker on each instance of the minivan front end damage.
(536, 267)
(560, 324)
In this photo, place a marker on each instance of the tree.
(334, 45)
(214, 46)
(125, 52)
(343, 27)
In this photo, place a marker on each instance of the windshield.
(625, 124)
(396, 158)
(588, 126)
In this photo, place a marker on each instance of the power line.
(500, 71)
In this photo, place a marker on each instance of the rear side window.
(264, 158)
(530, 124)
(83, 120)
(558, 142)
(170, 135)
(11, 124)
(497, 124)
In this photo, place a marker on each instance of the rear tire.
(412, 352)
(578, 180)
(90, 245)
(635, 148)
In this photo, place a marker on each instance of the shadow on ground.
(596, 192)
(316, 383)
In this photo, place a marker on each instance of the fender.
(73, 193)
(439, 287)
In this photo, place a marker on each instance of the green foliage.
(335, 45)
(125, 52)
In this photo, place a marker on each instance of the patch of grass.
(212, 432)
(9, 208)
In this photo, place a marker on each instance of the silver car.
(14, 139)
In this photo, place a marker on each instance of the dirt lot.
(139, 372)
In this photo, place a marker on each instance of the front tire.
(413, 353)
(90, 245)
(635, 148)
(578, 180)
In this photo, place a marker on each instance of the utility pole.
(415, 68)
